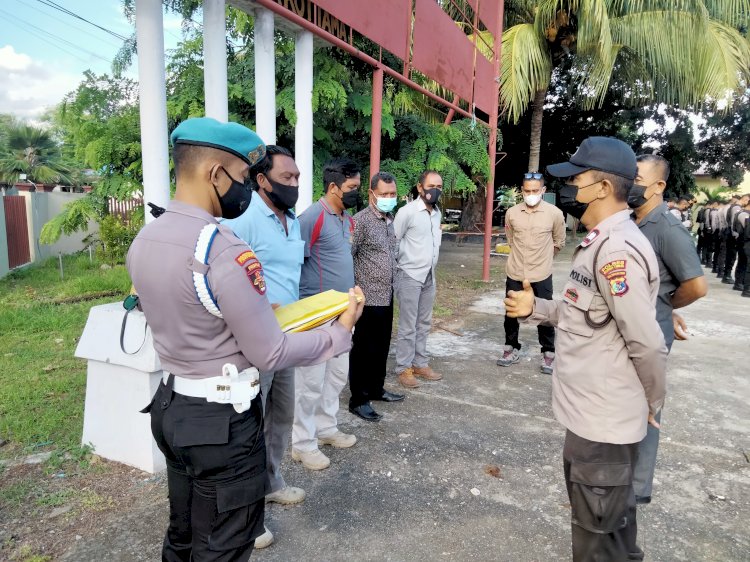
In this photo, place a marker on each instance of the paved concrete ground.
(404, 492)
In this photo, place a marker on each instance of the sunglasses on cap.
(532, 176)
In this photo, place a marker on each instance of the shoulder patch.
(254, 272)
(615, 273)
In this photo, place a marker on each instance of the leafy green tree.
(725, 141)
(670, 51)
(32, 151)
(100, 126)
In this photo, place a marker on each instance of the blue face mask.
(385, 204)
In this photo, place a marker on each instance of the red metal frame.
(304, 24)
(376, 126)
(453, 107)
(492, 149)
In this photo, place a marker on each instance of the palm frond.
(525, 69)
(722, 62)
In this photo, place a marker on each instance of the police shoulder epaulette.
(200, 280)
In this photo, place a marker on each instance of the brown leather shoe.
(426, 373)
(407, 378)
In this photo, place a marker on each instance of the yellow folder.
(311, 312)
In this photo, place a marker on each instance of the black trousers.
(543, 290)
(731, 255)
(707, 248)
(701, 241)
(720, 255)
(367, 359)
(741, 276)
(599, 479)
(216, 476)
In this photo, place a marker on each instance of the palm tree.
(31, 151)
(673, 51)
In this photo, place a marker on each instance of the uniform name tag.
(581, 278)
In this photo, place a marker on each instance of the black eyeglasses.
(532, 176)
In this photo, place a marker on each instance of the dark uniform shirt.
(677, 259)
(374, 248)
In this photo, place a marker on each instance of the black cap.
(605, 154)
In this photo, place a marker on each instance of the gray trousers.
(277, 392)
(643, 475)
(415, 301)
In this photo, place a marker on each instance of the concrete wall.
(40, 208)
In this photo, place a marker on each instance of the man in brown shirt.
(536, 232)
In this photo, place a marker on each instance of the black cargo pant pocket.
(240, 507)
(599, 495)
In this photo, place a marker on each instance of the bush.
(116, 235)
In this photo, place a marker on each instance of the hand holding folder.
(314, 311)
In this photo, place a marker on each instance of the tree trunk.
(473, 211)
(536, 130)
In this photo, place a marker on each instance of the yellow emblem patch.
(245, 256)
(614, 272)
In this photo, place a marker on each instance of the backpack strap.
(317, 228)
(200, 280)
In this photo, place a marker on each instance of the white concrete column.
(215, 59)
(303, 132)
(149, 28)
(265, 76)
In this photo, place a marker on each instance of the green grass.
(42, 386)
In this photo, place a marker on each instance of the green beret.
(229, 137)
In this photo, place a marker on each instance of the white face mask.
(532, 200)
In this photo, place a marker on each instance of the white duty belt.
(232, 387)
(200, 280)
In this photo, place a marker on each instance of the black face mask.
(283, 196)
(432, 196)
(567, 201)
(236, 200)
(351, 199)
(636, 197)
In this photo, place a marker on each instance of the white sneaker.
(265, 540)
(339, 440)
(288, 495)
(314, 460)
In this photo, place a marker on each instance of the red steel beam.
(492, 149)
(377, 112)
(304, 24)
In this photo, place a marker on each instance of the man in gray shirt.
(681, 282)
(327, 230)
(417, 227)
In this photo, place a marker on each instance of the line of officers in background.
(724, 240)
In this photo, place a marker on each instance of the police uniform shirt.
(190, 341)
(608, 374)
(677, 259)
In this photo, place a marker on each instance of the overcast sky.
(44, 52)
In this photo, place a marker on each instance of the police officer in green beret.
(202, 291)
